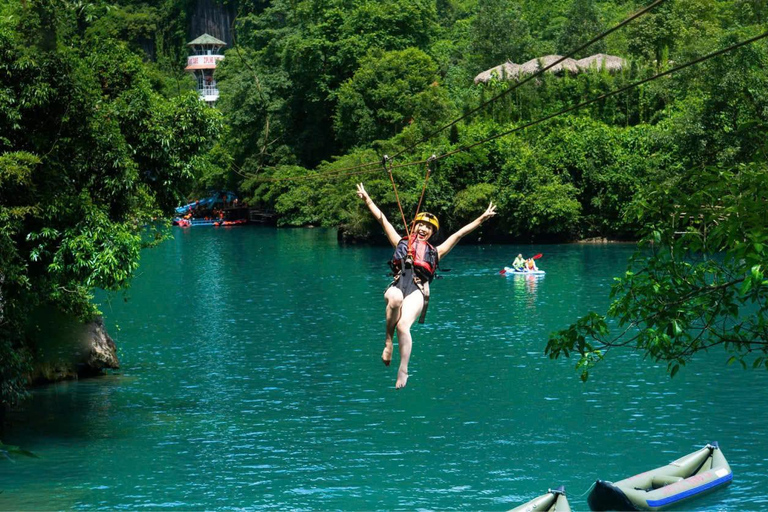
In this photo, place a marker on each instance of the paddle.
(504, 270)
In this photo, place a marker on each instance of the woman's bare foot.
(386, 356)
(402, 378)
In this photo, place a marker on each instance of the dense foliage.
(307, 86)
(90, 158)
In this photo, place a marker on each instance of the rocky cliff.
(212, 17)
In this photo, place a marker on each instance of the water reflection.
(525, 289)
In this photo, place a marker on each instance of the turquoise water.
(251, 379)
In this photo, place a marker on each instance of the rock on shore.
(66, 349)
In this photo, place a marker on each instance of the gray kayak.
(553, 501)
(688, 477)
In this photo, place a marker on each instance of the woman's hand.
(361, 193)
(489, 212)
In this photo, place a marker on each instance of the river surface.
(251, 379)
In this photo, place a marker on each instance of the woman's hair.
(436, 238)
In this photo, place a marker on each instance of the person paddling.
(518, 263)
(414, 263)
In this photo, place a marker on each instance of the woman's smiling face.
(423, 230)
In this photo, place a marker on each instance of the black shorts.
(406, 283)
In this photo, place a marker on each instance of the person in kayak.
(519, 262)
(530, 265)
(414, 263)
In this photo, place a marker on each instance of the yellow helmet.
(429, 219)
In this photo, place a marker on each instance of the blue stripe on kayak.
(690, 492)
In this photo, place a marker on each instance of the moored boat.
(690, 476)
(553, 501)
(185, 223)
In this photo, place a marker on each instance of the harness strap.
(424, 188)
(424, 287)
(384, 161)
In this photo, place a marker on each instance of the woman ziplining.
(414, 263)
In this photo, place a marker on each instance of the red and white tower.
(205, 53)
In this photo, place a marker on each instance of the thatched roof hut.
(534, 65)
(512, 71)
(507, 71)
(600, 61)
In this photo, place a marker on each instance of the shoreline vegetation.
(102, 130)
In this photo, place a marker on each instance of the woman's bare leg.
(409, 312)
(394, 298)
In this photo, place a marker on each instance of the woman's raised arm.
(450, 242)
(392, 235)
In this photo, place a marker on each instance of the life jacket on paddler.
(419, 255)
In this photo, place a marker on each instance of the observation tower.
(205, 53)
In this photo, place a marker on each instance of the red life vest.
(422, 255)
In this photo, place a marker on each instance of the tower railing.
(208, 90)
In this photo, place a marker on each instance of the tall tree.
(498, 33)
(582, 23)
(383, 96)
(316, 45)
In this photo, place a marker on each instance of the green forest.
(100, 140)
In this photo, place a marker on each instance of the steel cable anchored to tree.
(346, 172)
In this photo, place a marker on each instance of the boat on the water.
(186, 223)
(553, 501)
(508, 271)
(690, 476)
(222, 208)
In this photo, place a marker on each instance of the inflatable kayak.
(553, 501)
(688, 477)
(511, 271)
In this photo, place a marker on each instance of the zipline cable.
(537, 121)
(504, 93)
(529, 78)
(606, 95)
